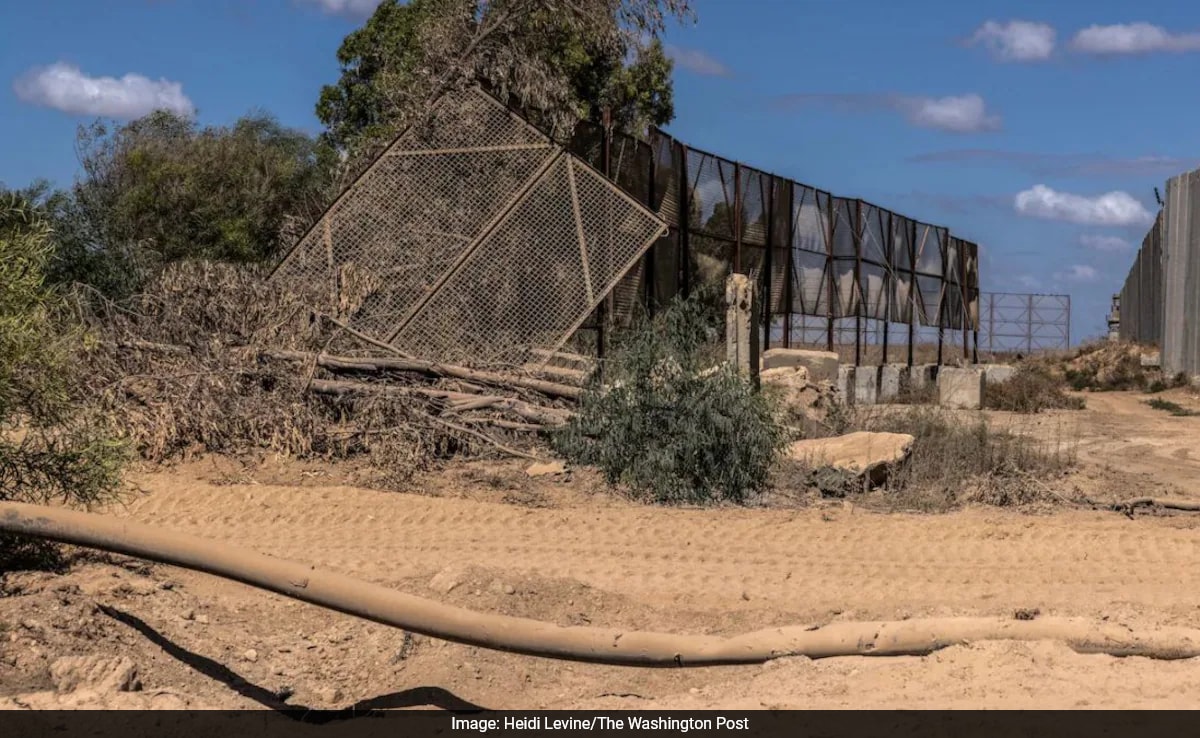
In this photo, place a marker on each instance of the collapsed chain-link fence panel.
(534, 279)
(472, 238)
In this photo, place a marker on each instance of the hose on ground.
(596, 645)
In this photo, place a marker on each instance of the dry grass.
(1032, 389)
(957, 457)
(177, 371)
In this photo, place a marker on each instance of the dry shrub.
(177, 370)
(1109, 366)
(958, 457)
(1032, 389)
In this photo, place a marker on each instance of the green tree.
(49, 450)
(556, 61)
(162, 189)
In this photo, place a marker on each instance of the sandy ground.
(487, 537)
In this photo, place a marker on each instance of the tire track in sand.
(972, 561)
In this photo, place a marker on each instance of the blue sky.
(1037, 129)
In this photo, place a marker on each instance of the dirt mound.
(1112, 365)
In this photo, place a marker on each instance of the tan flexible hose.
(598, 645)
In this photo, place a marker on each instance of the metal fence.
(471, 239)
(1024, 323)
(851, 264)
(1009, 322)
(1160, 300)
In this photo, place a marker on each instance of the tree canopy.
(169, 187)
(555, 60)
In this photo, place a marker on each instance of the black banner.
(393, 724)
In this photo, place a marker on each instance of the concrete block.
(845, 385)
(866, 385)
(893, 379)
(822, 366)
(997, 373)
(1152, 360)
(921, 376)
(960, 388)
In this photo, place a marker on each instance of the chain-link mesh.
(530, 282)
(462, 241)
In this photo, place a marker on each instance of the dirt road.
(572, 558)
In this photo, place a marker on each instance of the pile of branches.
(212, 358)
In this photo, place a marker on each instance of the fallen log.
(430, 368)
(457, 401)
(596, 645)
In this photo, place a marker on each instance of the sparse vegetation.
(1032, 389)
(956, 458)
(671, 427)
(1174, 408)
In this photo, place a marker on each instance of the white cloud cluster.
(349, 8)
(65, 87)
(698, 62)
(1107, 244)
(1016, 40)
(1078, 273)
(956, 114)
(1109, 209)
(1132, 38)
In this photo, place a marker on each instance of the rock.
(446, 580)
(202, 619)
(188, 615)
(250, 655)
(95, 673)
(861, 454)
(330, 695)
(546, 469)
(822, 366)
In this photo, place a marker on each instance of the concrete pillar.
(892, 380)
(866, 385)
(845, 384)
(741, 336)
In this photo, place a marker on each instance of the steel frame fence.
(813, 255)
(1014, 322)
(1009, 322)
(473, 238)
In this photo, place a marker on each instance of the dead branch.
(363, 336)
(1128, 506)
(597, 645)
(487, 439)
(433, 369)
(527, 410)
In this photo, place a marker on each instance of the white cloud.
(1078, 273)
(1029, 282)
(1132, 38)
(957, 114)
(1016, 40)
(65, 87)
(1107, 244)
(349, 8)
(1110, 209)
(698, 62)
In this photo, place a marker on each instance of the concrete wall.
(1160, 300)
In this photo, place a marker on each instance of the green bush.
(50, 450)
(668, 425)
